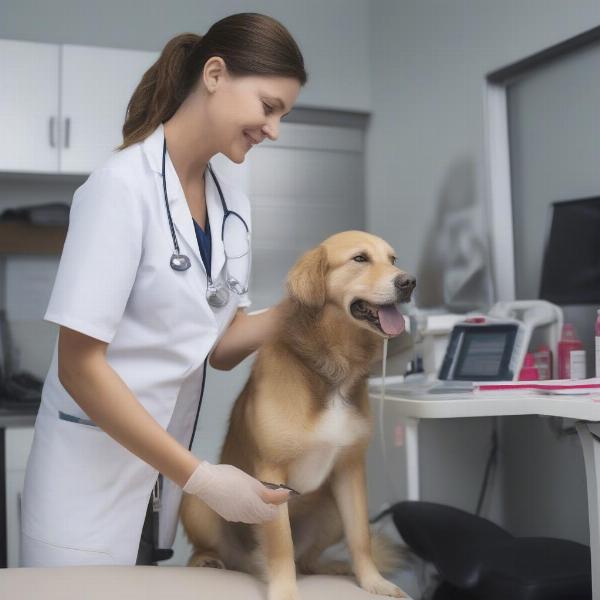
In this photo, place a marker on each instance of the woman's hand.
(234, 494)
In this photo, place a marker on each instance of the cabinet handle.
(51, 132)
(67, 131)
(19, 494)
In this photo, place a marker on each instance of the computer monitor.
(480, 352)
(571, 264)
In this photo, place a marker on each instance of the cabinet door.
(96, 86)
(18, 441)
(28, 106)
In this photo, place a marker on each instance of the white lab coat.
(85, 495)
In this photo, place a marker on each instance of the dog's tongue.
(391, 319)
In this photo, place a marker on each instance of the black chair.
(478, 560)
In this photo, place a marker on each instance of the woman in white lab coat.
(142, 300)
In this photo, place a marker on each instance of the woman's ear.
(306, 279)
(214, 70)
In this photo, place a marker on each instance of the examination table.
(149, 583)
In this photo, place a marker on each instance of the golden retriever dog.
(303, 419)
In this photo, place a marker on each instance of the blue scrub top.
(204, 243)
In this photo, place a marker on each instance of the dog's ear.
(306, 279)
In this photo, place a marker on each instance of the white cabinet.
(62, 107)
(29, 76)
(18, 441)
(96, 86)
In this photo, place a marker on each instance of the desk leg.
(412, 457)
(589, 434)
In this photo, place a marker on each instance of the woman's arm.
(243, 336)
(85, 373)
(103, 395)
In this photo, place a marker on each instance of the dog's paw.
(379, 585)
(206, 560)
(286, 591)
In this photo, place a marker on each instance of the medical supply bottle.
(577, 364)
(598, 344)
(568, 342)
(543, 361)
(529, 372)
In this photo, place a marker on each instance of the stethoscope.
(216, 295)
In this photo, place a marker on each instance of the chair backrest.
(450, 538)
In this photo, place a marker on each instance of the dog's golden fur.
(303, 419)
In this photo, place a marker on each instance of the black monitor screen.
(485, 353)
(571, 269)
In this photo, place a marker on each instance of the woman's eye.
(360, 258)
(267, 108)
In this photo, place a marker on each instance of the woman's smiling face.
(246, 109)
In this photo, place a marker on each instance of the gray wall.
(428, 62)
(333, 35)
(554, 132)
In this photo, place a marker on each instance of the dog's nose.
(404, 285)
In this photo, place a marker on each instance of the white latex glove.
(234, 494)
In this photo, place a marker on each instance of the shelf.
(17, 237)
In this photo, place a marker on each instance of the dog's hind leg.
(203, 529)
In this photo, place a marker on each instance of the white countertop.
(481, 404)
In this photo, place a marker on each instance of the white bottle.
(577, 360)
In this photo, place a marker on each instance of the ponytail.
(162, 89)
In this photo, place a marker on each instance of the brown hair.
(249, 43)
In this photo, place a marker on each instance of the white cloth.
(83, 490)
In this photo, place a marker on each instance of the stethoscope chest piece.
(217, 296)
(180, 262)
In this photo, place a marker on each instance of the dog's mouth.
(384, 317)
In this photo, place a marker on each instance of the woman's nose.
(271, 130)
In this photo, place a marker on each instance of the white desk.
(585, 409)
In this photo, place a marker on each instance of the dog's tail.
(387, 555)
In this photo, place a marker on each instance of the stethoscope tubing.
(226, 211)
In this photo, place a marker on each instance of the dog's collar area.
(342, 391)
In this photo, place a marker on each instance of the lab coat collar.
(180, 212)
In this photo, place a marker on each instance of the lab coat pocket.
(74, 419)
(82, 487)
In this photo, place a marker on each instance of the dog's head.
(356, 272)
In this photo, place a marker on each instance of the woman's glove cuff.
(199, 479)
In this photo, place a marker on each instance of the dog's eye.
(393, 259)
(360, 258)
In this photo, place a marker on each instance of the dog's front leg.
(349, 488)
(277, 548)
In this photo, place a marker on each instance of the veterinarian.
(152, 282)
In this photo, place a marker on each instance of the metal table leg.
(589, 434)
(412, 458)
